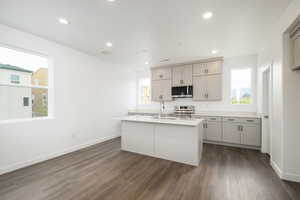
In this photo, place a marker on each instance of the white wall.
(88, 95)
(224, 105)
(285, 117)
(291, 102)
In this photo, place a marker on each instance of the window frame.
(50, 86)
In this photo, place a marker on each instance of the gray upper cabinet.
(163, 73)
(207, 81)
(207, 88)
(182, 75)
(161, 90)
(208, 68)
(205, 77)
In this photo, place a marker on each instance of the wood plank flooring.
(103, 172)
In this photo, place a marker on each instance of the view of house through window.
(23, 85)
(241, 91)
(144, 91)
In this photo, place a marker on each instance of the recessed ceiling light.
(207, 15)
(214, 51)
(146, 63)
(108, 44)
(63, 21)
(111, 0)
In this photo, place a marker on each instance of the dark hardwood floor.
(104, 172)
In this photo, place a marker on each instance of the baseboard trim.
(43, 158)
(276, 168)
(231, 145)
(291, 177)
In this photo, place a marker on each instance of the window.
(241, 90)
(15, 79)
(23, 85)
(144, 91)
(25, 101)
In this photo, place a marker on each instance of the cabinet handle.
(242, 128)
(213, 118)
(239, 128)
(250, 120)
(231, 120)
(160, 76)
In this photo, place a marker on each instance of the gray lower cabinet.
(213, 131)
(242, 131)
(231, 133)
(251, 135)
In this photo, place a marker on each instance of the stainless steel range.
(184, 111)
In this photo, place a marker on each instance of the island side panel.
(178, 143)
(138, 137)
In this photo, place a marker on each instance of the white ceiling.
(148, 30)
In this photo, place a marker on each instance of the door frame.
(267, 82)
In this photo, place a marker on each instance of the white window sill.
(10, 121)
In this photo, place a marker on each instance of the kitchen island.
(169, 138)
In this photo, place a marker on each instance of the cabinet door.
(155, 91)
(200, 68)
(251, 135)
(215, 67)
(214, 87)
(165, 90)
(161, 73)
(231, 133)
(177, 77)
(199, 88)
(214, 131)
(187, 75)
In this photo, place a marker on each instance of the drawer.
(213, 119)
(241, 120)
(209, 118)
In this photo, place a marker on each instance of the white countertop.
(150, 119)
(204, 113)
(227, 114)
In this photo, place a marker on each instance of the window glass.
(144, 91)
(15, 78)
(241, 90)
(23, 85)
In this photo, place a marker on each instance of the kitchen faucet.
(162, 108)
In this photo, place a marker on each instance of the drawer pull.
(250, 120)
(231, 120)
(213, 118)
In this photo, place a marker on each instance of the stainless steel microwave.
(182, 92)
